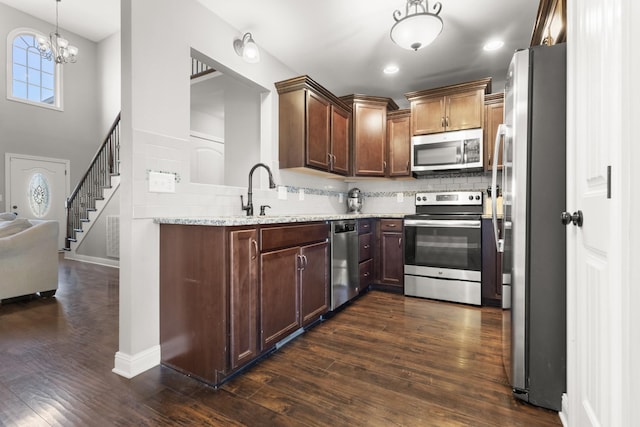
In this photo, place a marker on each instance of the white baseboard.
(92, 259)
(129, 366)
(563, 414)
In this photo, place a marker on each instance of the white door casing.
(600, 372)
(37, 188)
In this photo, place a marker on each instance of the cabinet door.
(339, 141)
(314, 281)
(464, 110)
(427, 115)
(318, 137)
(493, 117)
(370, 123)
(243, 296)
(278, 295)
(392, 263)
(399, 143)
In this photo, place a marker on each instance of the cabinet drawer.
(391, 225)
(364, 226)
(292, 235)
(365, 247)
(366, 274)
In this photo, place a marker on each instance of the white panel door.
(597, 64)
(37, 188)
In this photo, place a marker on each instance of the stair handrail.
(112, 140)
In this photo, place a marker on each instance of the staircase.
(95, 189)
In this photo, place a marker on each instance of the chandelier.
(57, 47)
(419, 27)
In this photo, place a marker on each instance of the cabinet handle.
(408, 165)
(446, 121)
(255, 248)
(366, 246)
(399, 242)
(306, 262)
(442, 121)
(384, 166)
(391, 225)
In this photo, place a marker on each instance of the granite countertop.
(268, 219)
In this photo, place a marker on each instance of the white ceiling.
(344, 45)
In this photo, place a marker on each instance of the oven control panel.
(458, 198)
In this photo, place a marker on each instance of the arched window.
(30, 77)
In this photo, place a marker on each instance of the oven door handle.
(442, 223)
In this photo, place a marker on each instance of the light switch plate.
(400, 197)
(161, 182)
(282, 192)
(301, 194)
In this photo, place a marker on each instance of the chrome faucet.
(249, 206)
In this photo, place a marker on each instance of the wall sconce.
(247, 48)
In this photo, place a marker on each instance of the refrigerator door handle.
(494, 178)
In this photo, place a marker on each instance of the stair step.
(91, 209)
(85, 220)
(78, 230)
(72, 239)
(114, 174)
(66, 249)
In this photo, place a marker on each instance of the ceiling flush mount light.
(57, 47)
(419, 27)
(247, 48)
(391, 69)
(493, 45)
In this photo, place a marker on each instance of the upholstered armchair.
(28, 258)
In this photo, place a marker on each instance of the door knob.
(576, 218)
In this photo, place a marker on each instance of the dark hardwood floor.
(384, 360)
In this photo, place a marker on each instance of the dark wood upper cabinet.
(369, 133)
(551, 23)
(493, 117)
(399, 143)
(448, 108)
(313, 127)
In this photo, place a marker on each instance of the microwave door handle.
(494, 192)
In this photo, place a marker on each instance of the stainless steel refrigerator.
(532, 236)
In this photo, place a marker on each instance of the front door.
(37, 188)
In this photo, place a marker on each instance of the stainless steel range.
(443, 251)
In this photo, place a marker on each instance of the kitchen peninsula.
(233, 289)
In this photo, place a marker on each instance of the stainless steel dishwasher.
(344, 262)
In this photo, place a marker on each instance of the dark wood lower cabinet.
(223, 302)
(314, 282)
(193, 300)
(491, 266)
(278, 295)
(390, 255)
(243, 306)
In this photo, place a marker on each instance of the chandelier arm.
(437, 7)
(397, 15)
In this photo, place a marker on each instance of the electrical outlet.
(400, 197)
(282, 192)
(301, 194)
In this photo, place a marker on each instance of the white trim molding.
(129, 366)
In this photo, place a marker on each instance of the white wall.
(72, 134)
(108, 66)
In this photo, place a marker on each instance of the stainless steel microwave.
(454, 150)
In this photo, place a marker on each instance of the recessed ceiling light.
(493, 45)
(391, 69)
